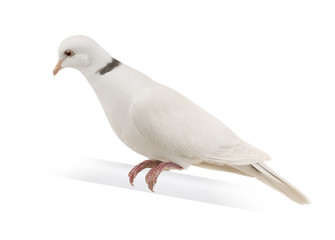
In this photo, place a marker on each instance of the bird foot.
(139, 167)
(152, 175)
(157, 167)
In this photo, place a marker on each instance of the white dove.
(163, 125)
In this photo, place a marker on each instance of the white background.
(265, 68)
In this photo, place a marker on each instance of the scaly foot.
(157, 167)
(151, 177)
(138, 168)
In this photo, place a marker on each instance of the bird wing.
(175, 124)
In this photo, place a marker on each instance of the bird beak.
(58, 67)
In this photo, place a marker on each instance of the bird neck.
(109, 66)
(116, 86)
(116, 82)
(98, 60)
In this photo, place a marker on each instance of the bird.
(170, 130)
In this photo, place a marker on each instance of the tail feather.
(265, 174)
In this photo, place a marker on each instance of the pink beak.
(58, 67)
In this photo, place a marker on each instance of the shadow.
(175, 184)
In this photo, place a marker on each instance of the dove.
(159, 123)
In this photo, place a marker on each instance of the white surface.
(170, 184)
(273, 64)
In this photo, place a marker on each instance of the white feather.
(177, 126)
(160, 123)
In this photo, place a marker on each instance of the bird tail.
(265, 174)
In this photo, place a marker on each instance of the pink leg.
(139, 167)
(152, 175)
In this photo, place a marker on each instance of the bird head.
(82, 53)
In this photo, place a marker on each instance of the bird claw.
(150, 178)
(153, 174)
(139, 167)
(157, 167)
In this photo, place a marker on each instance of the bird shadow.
(173, 184)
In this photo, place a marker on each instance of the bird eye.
(69, 53)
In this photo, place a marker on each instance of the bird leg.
(152, 175)
(139, 167)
